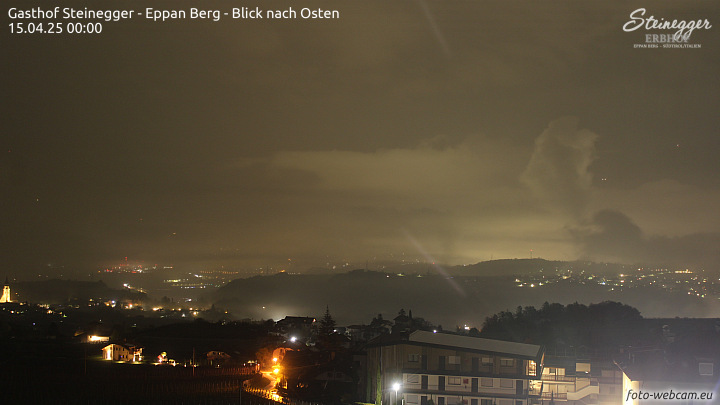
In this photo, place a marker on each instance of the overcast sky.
(457, 131)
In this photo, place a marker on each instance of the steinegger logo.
(664, 33)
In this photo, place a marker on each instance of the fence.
(257, 396)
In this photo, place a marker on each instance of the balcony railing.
(562, 378)
(554, 395)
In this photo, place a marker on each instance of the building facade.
(567, 381)
(117, 352)
(427, 368)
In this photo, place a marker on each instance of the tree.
(327, 324)
(604, 326)
(264, 356)
(377, 321)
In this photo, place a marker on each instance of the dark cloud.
(612, 236)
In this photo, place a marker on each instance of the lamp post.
(396, 387)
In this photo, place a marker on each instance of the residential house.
(122, 352)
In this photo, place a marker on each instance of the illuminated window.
(413, 378)
(532, 368)
(453, 380)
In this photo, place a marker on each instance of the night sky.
(449, 131)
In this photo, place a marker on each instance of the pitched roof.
(474, 343)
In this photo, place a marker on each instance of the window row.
(484, 361)
(412, 399)
(441, 382)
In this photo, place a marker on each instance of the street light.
(396, 388)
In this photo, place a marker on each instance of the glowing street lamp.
(396, 388)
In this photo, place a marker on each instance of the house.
(217, 357)
(422, 367)
(569, 381)
(97, 338)
(94, 332)
(122, 352)
(279, 353)
(298, 326)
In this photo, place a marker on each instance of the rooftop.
(474, 343)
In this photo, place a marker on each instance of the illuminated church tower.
(6, 292)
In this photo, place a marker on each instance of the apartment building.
(426, 368)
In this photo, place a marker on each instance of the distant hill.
(527, 266)
(449, 300)
(501, 267)
(387, 267)
(56, 291)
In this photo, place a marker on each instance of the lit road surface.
(269, 390)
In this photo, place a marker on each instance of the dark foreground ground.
(61, 373)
